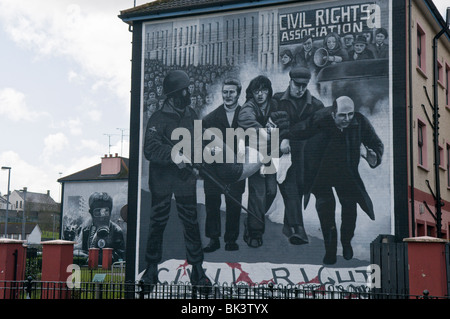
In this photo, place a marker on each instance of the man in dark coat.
(305, 55)
(223, 117)
(380, 49)
(169, 176)
(298, 102)
(332, 156)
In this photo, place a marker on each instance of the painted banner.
(312, 82)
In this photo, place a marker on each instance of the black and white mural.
(265, 145)
(95, 217)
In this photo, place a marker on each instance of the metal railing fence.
(31, 289)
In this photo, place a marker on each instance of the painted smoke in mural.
(322, 74)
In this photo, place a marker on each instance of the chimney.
(111, 165)
(48, 192)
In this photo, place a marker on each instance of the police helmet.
(175, 81)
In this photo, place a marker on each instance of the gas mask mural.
(93, 222)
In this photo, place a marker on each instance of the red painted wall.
(427, 269)
(10, 270)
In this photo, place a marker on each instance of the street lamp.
(23, 214)
(7, 200)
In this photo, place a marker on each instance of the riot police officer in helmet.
(166, 178)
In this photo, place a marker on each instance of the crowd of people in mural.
(201, 81)
(335, 49)
(323, 144)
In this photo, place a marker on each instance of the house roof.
(16, 228)
(160, 7)
(437, 15)
(156, 8)
(93, 173)
(40, 198)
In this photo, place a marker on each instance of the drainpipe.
(411, 142)
(439, 202)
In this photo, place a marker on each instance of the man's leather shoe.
(347, 251)
(200, 281)
(150, 278)
(213, 245)
(329, 259)
(231, 246)
(296, 234)
(253, 242)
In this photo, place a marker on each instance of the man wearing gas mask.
(103, 233)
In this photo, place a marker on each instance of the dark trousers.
(213, 224)
(326, 209)
(262, 190)
(292, 191)
(186, 203)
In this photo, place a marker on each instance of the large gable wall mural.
(311, 223)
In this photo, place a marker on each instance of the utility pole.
(7, 200)
(23, 214)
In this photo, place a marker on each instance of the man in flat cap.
(360, 50)
(298, 102)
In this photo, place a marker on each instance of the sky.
(65, 76)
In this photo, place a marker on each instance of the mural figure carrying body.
(262, 188)
(223, 117)
(167, 178)
(332, 156)
(299, 104)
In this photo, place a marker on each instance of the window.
(431, 230)
(421, 49)
(420, 229)
(175, 37)
(448, 164)
(441, 157)
(440, 76)
(446, 85)
(421, 143)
